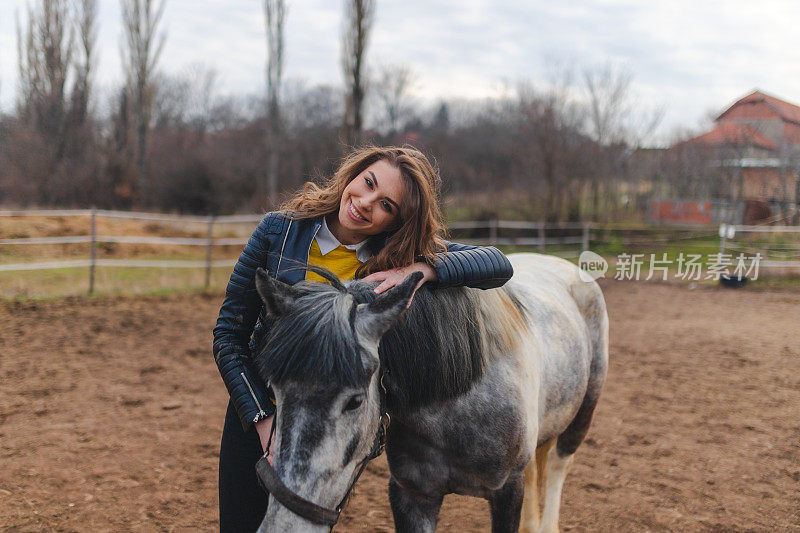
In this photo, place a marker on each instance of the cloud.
(685, 55)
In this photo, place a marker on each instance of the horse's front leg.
(506, 504)
(413, 513)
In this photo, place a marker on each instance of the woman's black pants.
(242, 501)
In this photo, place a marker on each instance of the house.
(756, 141)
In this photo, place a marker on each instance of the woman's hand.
(395, 276)
(264, 428)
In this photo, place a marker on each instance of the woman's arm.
(237, 318)
(480, 267)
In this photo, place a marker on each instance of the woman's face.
(371, 202)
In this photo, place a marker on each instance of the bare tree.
(552, 146)
(686, 168)
(55, 71)
(274, 15)
(616, 129)
(45, 52)
(140, 52)
(85, 18)
(204, 83)
(729, 158)
(171, 101)
(357, 23)
(185, 100)
(392, 87)
(608, 89)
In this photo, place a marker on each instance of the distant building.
(754, 150)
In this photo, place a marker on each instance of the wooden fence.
(93, 239)
(493, 232)
(728, 232)
(540, 241)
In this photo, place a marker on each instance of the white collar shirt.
(328, 242)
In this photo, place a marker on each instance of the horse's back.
(567, 316)
(541, 269)
(548, 277)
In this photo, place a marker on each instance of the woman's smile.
(354, 213)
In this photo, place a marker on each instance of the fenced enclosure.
(779, 246)
(93, 239)
(521, 233)
(696, 431)
(86, 252)
(81, 243)
(123, 393)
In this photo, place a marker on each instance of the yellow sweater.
(340, 261)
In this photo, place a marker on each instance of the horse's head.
(321, 359)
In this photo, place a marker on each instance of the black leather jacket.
(276, 245)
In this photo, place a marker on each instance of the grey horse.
(490, 393)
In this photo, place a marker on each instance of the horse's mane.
(433, 353)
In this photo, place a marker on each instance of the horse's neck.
(437, 352)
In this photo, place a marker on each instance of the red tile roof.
(785, 110)
(734, 134)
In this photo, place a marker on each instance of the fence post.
(209, 242)
(541, 237)
(585, 237)
(493, 232)
(723, 233)
(93, 249)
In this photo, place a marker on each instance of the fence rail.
(93, 239)
(729, 231)
(134, 215)
(544, 237)
(77, 263)
(124, 239)
(766, 229)
(540, 241)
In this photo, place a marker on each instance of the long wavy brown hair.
(419, 236)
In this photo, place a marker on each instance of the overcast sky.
(688, 56)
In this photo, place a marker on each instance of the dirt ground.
(111, 411)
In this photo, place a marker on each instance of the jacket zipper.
(261, 413)
(278, 270)
(308, 252)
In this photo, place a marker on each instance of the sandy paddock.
(111, 411)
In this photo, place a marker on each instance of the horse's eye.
(354, 402)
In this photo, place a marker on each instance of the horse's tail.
(535, 478)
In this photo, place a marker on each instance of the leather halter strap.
(312, 512)
(296, 504)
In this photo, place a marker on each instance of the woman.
(377, 218)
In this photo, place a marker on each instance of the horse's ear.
(375, 318)
(277, 295)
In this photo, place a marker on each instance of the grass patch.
(56, 283)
